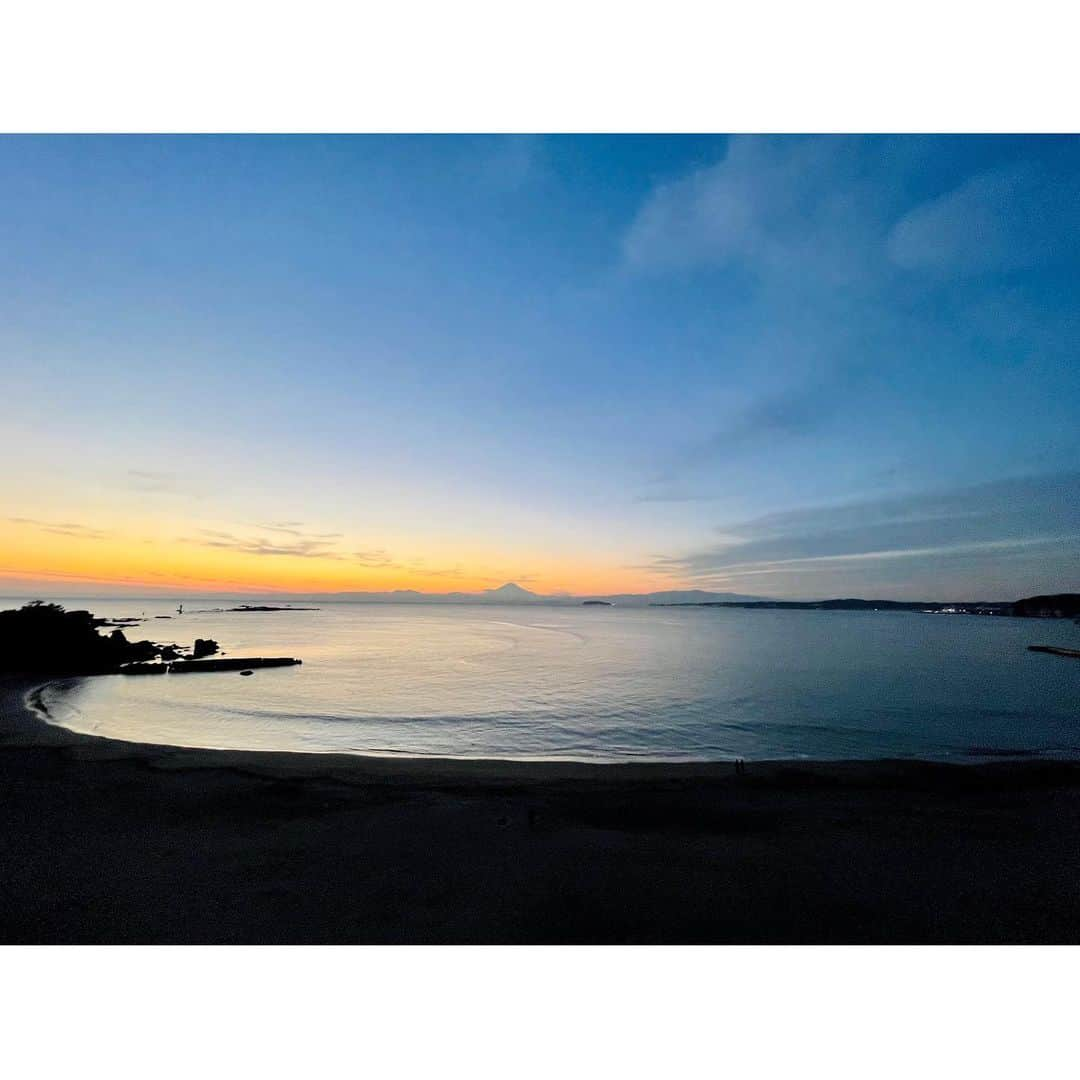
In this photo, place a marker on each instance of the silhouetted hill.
(1052, 606)
(854, 604)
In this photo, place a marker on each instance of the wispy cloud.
(296, 528)
(675, 496)
(378, 557)
(513, 161)
(1001, 219)
(33, 578)
(62, 528)
(794, 208)
(420, 566)
(289, 539)
(148, 481)
(793, 413)
(825, 212)
(304, 547)
(1036, 517)
(161, 482)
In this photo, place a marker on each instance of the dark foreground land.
(110, 842)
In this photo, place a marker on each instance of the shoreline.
(113, 842)
(21, 725)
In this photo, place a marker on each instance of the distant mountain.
(510, 594)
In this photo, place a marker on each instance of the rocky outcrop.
(42, 637)
(45, 638)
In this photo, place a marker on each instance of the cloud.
(295, 528)
(821, 212)
(795, 412)
(1037, 518)
(999, 220)
(803, 220)
(420, 566)
(293, 541)
(837, 299)
(513, 162)
(316, 546)
(675, 496)
(155, 482)
(373, 557)
(797, 207)
(62, 528)
(145, 480)
(34, 578)
(791, 412)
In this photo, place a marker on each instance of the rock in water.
(204, 647)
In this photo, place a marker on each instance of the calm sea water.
(596, 683)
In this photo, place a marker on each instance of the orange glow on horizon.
(38, 558)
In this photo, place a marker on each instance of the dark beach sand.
(103, 841)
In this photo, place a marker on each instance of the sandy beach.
(105, 841)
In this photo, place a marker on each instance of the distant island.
(1052, 606)
(248, 608)
(597, 603)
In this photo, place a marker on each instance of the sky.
(792, 367)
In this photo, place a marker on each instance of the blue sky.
(794, 367)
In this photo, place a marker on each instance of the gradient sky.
(793, 367)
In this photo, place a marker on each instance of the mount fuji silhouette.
(510, 593)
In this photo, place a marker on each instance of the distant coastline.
(1050, 606)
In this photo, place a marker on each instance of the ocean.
(593, 683)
